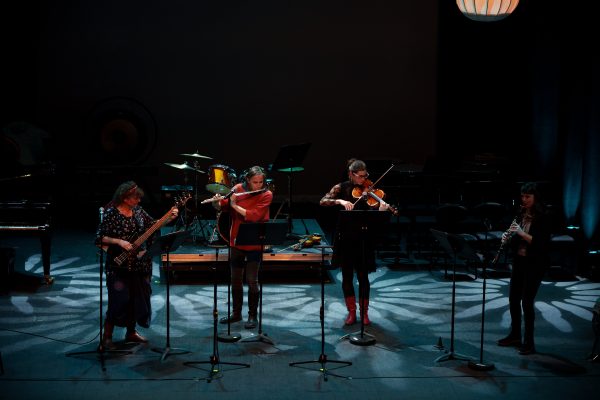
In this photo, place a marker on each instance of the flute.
(232, 193)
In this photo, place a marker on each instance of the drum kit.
(221, 179)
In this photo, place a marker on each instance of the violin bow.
(381, 177)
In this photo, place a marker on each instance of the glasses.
(365, 176)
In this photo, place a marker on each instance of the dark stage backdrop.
(137, 83)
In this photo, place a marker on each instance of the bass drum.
(219, 235)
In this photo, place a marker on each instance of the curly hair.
(125, 190)
(355, 165)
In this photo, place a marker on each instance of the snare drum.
(221, 179)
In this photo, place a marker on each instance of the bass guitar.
(126, 257)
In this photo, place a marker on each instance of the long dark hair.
(253, 171)
(538, 206)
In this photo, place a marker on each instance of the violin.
(308, 241)
(374, 196)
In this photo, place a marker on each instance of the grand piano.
(26, 210)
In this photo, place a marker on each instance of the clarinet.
(506, 236)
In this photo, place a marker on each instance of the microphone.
(228, 195)
(101, 213)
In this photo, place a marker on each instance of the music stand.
(357, 226)
(214, 359)
(451, 245)
(164, 245)
(226, 337)
(289, 161)
(263, 234)
(322, 357)
(465, 251)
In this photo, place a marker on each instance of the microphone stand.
(101, 351)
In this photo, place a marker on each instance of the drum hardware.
(185, 166)
(289, 161)
(195, 226)
(196, 155)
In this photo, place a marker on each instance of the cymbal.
(184, 166)
(196, 155)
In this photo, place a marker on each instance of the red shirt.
(257, 210)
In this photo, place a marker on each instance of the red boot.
(107, 342)
(364, 311)
(351, 306)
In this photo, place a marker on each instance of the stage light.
(487, 10)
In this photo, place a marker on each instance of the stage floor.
(410, 309)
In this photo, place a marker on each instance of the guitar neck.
(140, 240)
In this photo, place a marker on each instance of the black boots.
(510, 340)
(233, 317)
(514, 340)
(253, 298)
(236, 315)
(236, 309)
(527, 348)
(251, 322)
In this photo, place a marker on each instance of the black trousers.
(250, 262)
(525, 281)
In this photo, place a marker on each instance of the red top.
(257, 210)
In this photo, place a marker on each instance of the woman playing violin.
(346, 253)
(249, 202)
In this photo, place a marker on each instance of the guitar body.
(116, 253)
(124, 259)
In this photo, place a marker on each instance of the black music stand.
(263, 234)
(467, 252)
(289, 161)
(453, 245)
(226, 337)
(322, 357)
(358, 226)
(214, 359)
(100, 351)
(164, 245)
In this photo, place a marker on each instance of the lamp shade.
(487, 10)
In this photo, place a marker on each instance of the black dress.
(128, 287)
(347, 246)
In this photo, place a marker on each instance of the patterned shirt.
(119, 226)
